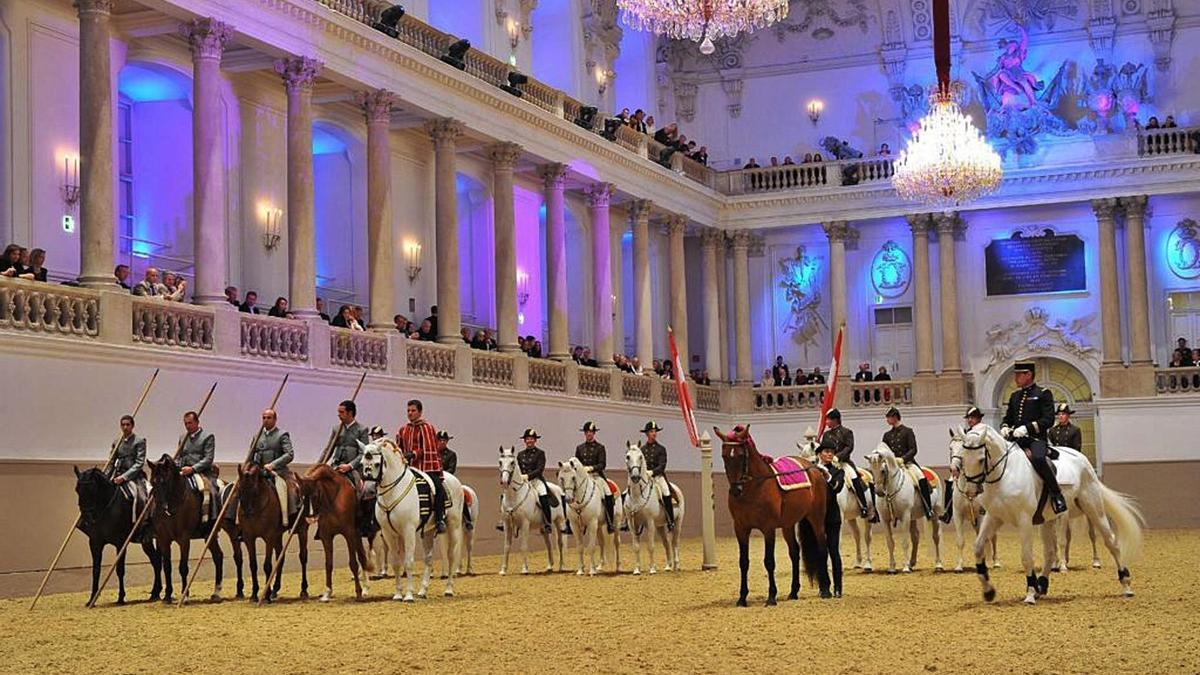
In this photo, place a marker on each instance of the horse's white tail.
(1127, 519)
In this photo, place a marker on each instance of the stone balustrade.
(595, 382)
(708, 398)
(269, 337)
(53, 310)
(430, 359)
(1177, 381)
(545, 375)
(670, 392)
(172, 324)
(881, 394)
(1174, 141)
(492, 368)
(636, 388)
(807, 396)
(358, 349)
(866, 171)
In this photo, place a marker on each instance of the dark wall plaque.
(1046, 263)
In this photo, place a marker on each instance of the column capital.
(639, 210)
(207, 37)
(1135, 206)
(951, 223)
(711, 237)
(554, 175)
(757, 246)
(1105, 209)
(740, 239)
(918, 223)
(444, 131)
(675, 224)
(377, 105)
(505, 155)
(94, 6)
(298, 72)
(837, 230)
(599, 195)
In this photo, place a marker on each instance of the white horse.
(398, 511)
(852, 516)
(900, 509)
(519, 510)
(966, 511)
(1064, 538)
(646, 514)
(1000, 474)
(465, 565)
(584, 495)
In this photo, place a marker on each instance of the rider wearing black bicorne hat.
(656, 463)
(843, 440)
(903, 444)
(1028, 418)
(591, 453)
(1064, 433)
(974, 416)
(531, 461)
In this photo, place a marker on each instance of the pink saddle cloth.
(791, 473)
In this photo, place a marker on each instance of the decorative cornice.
(207, 37)
(299, 72)
(376, 105)
(504, 156)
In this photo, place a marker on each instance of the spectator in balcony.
(624, 116)
(884, 150)
(465, 334)
(231, 296)
(150, 285)
(10, 264)
(817, 158)
(1152, 123)
(1177, 360)
(882, 375)
(807, 158)
(704, 379)
(121, 272)
(174, 287)
(779, 371)
(864, 373)
(424, 332)
(1196, 357)
(752, 164)
(799, 377)
(815, 377)
(433, 319)
(774, 161)
(401, 323)
(35, 270)
(635, 366)
(701, 155)
(344, 319)
(536, 352)
(667, 135)
(1170, 122)
(788, 161)
(650, 126)
(577, 353)
(359, 315)
(588, 360)
(639, 121)
(280, 308)
(321, 310)
(250, 305)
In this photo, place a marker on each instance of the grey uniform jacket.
(130, 458)
(199, 450)
(274, 448)
(345, 448)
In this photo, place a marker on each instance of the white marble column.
(1139, 298)
(445, 133)
(96, 219)
(554, 179)
(504, 158)
(639, 220)
(949, 228)
(676, 228)
(838, 231)
(1110, 299)
(723, 305)
(377, 106)
(207, 38)
(599, 195)
(712, 245)
(298, 76)
(616, 255)
(918, 223)
(741, 304)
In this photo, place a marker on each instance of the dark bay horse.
(258, 517)
(757, 503)
(176, 519)
(336, 502)
(106, 516)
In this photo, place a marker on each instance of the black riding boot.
(544, 501)
(860, 490)
(439, 502)
(468, 523)
(670, 508)
(1042, 466)
(926, 497)
(948, 515)
(609, 503)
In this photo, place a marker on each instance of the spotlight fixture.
(587, 117)
(455, 53)
(611, 125)
(515, 82)
(389, 19)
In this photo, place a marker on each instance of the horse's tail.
(813, 551)
(1126, 517)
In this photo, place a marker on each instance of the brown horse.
(336, 503)
(757, 502)
(258, 517)
(176, 519)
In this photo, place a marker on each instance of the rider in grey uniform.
(197, 456)
(346, 457)
(273, 453)
(129, 463)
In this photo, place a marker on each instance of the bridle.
(507, 482)
(645, 487)
(579, 504)
(383, 490)
(745, 478)
(980, 479)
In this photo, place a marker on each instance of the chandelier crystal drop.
(947, 162)
(701, 20)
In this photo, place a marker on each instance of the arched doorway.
(1068, 385)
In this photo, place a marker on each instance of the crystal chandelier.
(947, 162)
(701, 20)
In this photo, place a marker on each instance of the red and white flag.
(831, 383)
(685, 397)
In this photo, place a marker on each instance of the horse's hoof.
(1128, 593)
(907, 570)
(653, 570)
(408, 598)
(502, 573)
(527, 571)
(996, 565)
(1030, 599)
(422, 595)
(579, 572)
(303, 595)
(868, 569)
(826, 595)
(1057, 568)
(741, 602)
(637, 572)
(989, 595)
(444, 576)
(398, 596)
(120, 601)
(793, 596)
(324, 598)
(448, 593)
(857, 566)
(215, 597)
(1095, 564)
(958, 568)
(771, 602)
(253, 597)
(939, 568)
(155, 597)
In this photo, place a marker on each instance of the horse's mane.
(324, 487)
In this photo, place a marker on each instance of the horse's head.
(251, 480)
(570, 475)
(372, 459)
(956, 446)
(737, 449)
(981, 448)
(882, 462)
(166, 481)
(93, 488)
(635, 462)
(808, 449)
(508, 465)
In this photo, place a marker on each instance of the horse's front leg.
(789, 536)
(120, 578)
(987, 529)
(410, 552)
(156, 563)
(1049, 544)
(1025, 532)
(868, 564)
(303, 531)
(935, 534)
(218, 559)
(960, 538)
(327, 543)
(97, 549)
(508, 535)
(652, 533)
(743, 539)
(911, 543)
(1095, 552)
(184, 547)
(353, 548)
(252, 551)
(164, 555)
(854, 531)
(891, 544)
(637, 546)
(769, 563)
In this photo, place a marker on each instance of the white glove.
(1006, 432)
(1020, 432)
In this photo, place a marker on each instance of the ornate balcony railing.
(670, 394)
(805, 176)
(492, 368)
(881, 394)
(272, 338)
(708, 398)
(807, 396)
(172, 324)
(636, 388)
(595, 382)
(545, 375)
(1177, 380)
(358, 349)
(430, 359)
(1173, 141)
(45, 308)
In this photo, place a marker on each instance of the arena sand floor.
(685, 622)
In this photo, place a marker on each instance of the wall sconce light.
(70, 182)
(514, 33)
(815, 108)
(602, 78)
(522, 288)
(412, 254)
(272, 232)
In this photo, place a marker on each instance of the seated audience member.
(799, 378)
(788, 161)
(465, 334)
(401, 323)
(667, 135)
(360, 316)
(536, 352)
(624, 116)
(1177, 361)
(280, 308)
(768, 379)
(587, 360)
(345, 318)
(1170, 122)
(884, 150)
(175, 287)
(321, 310)
(702, 155)
(10, 264)
(864, 373)
(815, 377)
(882, 375)
(35, 270)
(817, 157)
(638, 122)
(424, 332)
(635, 366)
(121, 272)
(231, 296)
(577, 354)
(250, 305)
(774, 161)
(650, 126)
(1152, 123)
(150, 285)
(479, 340)
(807, 158)
(787, 381)
(752, 164)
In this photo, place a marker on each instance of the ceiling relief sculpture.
(820, 19)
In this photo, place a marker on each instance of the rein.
(383, 490)
(509, 486)
(981, 478)
(647, 492)
(579, 505)
(746, 478)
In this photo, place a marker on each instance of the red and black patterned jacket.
(420, 439)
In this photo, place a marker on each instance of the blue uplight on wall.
(891, 271)
(325, 142)
(1183, 250)
(145, 83)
